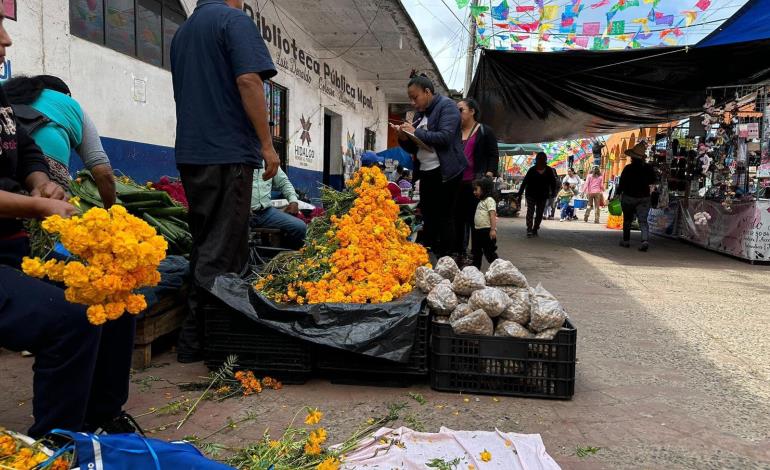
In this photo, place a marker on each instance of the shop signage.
(305, 65)
(304, 155)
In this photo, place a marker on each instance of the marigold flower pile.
(114, 253)
(363, 256)
(21, 456)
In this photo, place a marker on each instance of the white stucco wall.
(308, 99)
(103, 81)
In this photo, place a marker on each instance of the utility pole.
(470, 59)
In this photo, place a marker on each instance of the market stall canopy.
(519, 149)
(541, 97)
(750, 23)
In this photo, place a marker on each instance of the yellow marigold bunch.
(374, 263)
(116, 253)
(314, 416)
(249, 383)
(329, 463)
(25, 459)
(318, 436)
(7, 445)
(312, 448)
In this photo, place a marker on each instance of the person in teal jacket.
(58, 124)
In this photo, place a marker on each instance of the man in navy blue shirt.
(218, 64)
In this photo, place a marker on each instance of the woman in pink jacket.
(594, 191)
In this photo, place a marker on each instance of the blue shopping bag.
(134, 452)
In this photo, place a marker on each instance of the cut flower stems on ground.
(301, 445)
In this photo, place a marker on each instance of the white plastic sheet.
(406, 449)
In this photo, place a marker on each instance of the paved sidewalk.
(673, 372)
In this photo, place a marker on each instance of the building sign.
(304, 154)
(304, 65)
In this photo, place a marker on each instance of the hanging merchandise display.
(727, 208)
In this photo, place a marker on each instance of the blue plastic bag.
(133, 452)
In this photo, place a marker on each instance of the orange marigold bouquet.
(114, 253)
(357, 253)
(22, 453)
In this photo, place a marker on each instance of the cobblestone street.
(673, 371)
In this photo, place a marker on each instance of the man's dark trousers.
(219, 198)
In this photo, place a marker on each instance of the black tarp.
(386, 331)
(541, 97)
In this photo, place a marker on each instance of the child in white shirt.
(484, 236)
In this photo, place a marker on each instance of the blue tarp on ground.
(750, 23)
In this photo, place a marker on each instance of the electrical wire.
(355, 43)
(456, 17)
(369, 26)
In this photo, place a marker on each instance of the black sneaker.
(625, 244)
(529, 234)
(645, 246)
(124, 423)
(534, 233)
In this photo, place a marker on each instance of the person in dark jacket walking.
(438, 164)
(538, 185)
(480, 149)
(634, 192)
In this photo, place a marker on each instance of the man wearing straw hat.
(634, 192)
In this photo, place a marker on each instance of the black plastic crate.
(504, 366)
(347, 367)
(259, 348)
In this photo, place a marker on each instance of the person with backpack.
(44, 106)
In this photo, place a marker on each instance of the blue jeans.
(567, 211)
(292, 229)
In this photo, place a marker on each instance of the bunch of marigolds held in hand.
(19, 455)
(114, 253)
(357, 253)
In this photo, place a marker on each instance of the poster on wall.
(9, 8)
(744, 231)
(665, 222)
